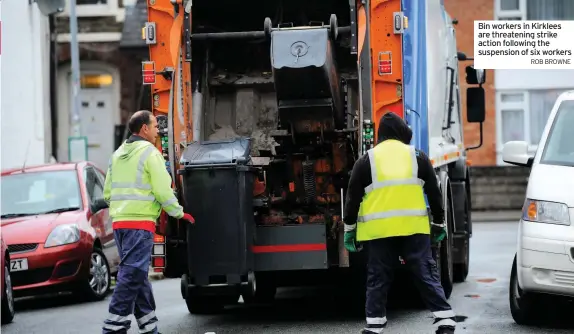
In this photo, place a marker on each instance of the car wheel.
(8, 310)
(97, 284)
(524, 306)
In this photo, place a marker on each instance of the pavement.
(481, 304)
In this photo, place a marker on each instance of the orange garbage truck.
(263, 109)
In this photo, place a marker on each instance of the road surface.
(481, 303)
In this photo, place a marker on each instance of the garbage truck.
(263, 109)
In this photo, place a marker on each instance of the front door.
(98, 124)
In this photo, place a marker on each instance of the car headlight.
(63, 235)
(546, 212)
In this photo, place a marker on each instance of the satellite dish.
(48, 7)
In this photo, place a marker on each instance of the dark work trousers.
(383, 257)
(133, 293)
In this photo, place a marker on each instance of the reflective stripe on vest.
(380, 184)
(393, 206)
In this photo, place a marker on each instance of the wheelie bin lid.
(223, 151)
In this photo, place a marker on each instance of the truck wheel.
(261, 289)
(461, 269)
(446, 248)
(463, 245)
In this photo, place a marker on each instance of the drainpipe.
(53, 85)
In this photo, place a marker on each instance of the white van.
(544, 262)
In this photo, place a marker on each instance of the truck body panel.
(263, 113)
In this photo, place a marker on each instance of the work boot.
(445, 330)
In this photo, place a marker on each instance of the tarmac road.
(481, 303)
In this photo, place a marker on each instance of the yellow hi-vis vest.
(394, 203)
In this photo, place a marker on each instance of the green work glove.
(438, 232)
(350, 240)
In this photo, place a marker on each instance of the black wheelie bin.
(218, 193)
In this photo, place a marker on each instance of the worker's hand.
(350, 239)
(188, 217)
(438, 232)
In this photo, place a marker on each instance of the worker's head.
(391, 126)
(144, 124)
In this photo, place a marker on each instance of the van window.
(559, 148)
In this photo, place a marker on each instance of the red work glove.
(188, 217)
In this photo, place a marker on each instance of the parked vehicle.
(8, 310)
(56, 225)
(544, 262)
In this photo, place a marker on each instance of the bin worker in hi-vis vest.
(137, 188)
(385, 211)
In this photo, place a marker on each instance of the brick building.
(518, 101)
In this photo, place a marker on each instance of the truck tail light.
(385, 63)
(158, 253)
(148, 72)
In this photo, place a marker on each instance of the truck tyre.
(463, 245)
(461, 269)
(446, 249)
(261, 289)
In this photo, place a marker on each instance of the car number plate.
(19, 265)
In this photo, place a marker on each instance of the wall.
(498, 188)
(25, 75)
(466, 12)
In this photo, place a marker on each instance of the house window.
(94, 8)
(509, 4)
(549, 10)
(523, 114)
(534, 9)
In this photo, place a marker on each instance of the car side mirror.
(516, 153)
(99, 204)
(475, 105)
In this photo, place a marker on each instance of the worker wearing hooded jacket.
(385, 211)
(137, 188)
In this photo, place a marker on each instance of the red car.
(6, 287)
(56, 225)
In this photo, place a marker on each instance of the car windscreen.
(32, 193)
(559, 148)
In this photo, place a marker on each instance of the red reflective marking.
(289, 248)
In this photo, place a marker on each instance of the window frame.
(111, 8)
(521, 13)
(96, 181)
(501, 14)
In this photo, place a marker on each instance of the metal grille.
(20, 248)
